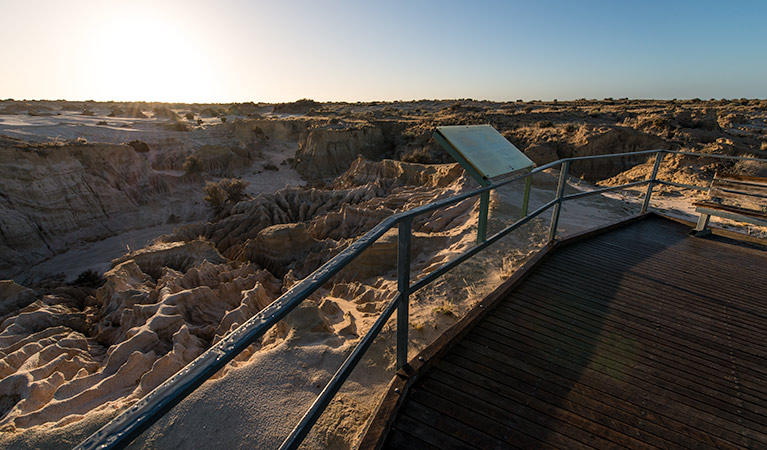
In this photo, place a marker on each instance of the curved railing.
(122, 430)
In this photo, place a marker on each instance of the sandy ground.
(262, 396)
(261, 400)
(94, 255)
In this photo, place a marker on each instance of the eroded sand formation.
(75, 353)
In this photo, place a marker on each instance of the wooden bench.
(734, 197)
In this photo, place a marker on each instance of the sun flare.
(150, 58)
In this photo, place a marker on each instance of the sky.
(284, 50)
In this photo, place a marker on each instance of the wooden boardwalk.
(640, 337)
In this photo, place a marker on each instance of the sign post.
(485, 154)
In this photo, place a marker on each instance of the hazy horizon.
(239, 51)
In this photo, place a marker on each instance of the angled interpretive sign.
(483, 149)
(485, 154)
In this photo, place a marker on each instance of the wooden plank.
(682, 324)
(727, 417)
(742, 316)
(696, 394)
(603, 386)
(447, 426)
(427, 433)
(621, 419)
(738, 280)
(694, 299)
(507, 398)
(679, 305)
(521, 431)
(614, 412)
(658, 349)
(603, 342)
(544, 409)
(742, 207)
(733, 213)
(611, 392)
(651, 296)
(742, 238)
(629, 338)
(549, 359)
(488, 419)
(732, 196)
(762, 181)
(695, 252)
(676, 347)
(739, 188)
(400, 440)
(679, 337)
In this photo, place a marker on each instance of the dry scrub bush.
(192, 165)
(228, 191)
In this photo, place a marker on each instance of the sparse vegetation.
(89, 278)
(177, 126)
(139, 146)
(446, 307)
(192, 165)
(227, 191)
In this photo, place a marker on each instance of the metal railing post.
(484, 207)
(558, 206)
(526, 197)
(403, 284)
(658, 158)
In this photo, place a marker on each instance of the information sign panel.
(488, 153)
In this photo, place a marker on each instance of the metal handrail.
(122, 430)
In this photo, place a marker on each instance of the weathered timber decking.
(640, 337)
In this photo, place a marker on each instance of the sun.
(140, 57)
